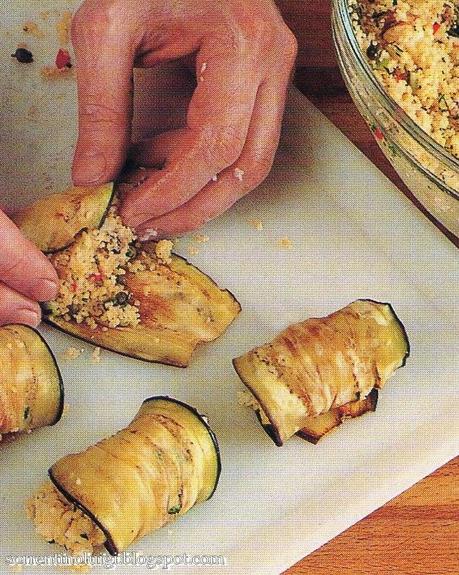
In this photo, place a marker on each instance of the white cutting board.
(354, 235)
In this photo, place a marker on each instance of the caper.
(373, 51)
(121, 298)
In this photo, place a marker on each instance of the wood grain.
(418, 532)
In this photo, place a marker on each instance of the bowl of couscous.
(400, 62)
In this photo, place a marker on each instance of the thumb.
(104, 79)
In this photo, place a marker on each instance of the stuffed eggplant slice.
(153, 471)
(31, 390)
(319, 372)
(136, 299)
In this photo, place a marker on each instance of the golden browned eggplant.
(31, 390)
(321, 364)
(316, 427)
(179, 308)
(52, 222)
(131, 484)
(119, 294)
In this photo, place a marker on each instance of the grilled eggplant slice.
(31, 389)
(323, 363)
(316, 427)
(165, 462)
(180, 307)
(52, 222)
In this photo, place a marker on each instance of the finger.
(15, 308)
(105, 56)
(249, 171)
(218, 123)
(23, 267)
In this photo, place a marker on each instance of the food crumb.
(32, 29)
(214, 178)
(66, 409)
(95, 356)
(63, 28)
(72, 353)
(193, 250)
(55, 73)
(201, 238)
(256, 224)
(78, 481)
(163, 251)
(285, 243)
(239, 174)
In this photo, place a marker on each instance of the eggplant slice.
(31, 389)
(180, 307)
(321, 364)
(160, 466)
(316, 427)
(54, 221)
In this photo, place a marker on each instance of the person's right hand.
(26, 277)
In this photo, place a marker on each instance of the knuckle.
(95, 20)
(221, 147)
(94, 111)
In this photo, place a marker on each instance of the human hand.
(244, 55)
(26, 277)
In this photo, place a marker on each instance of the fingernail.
(45, 289)
(89, 168)
(27, 316)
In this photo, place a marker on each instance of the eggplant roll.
(134, 482)
(31, 390)
(321, 364)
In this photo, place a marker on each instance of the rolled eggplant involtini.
(131, 484)
(31, 389)
(136, 299)
(319, 372)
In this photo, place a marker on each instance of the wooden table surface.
(418, 532)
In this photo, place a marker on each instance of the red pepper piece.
(96, 278)
(378, 134)
(63, 59)
(399, 75)
(436, 27)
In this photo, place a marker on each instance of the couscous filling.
(93, 272)
(59, 521)
(413, 48)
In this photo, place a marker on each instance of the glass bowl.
(428, 170)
